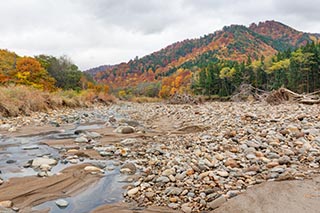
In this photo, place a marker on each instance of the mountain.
(234, 43)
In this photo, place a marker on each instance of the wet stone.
(128, 168)
(62, 203)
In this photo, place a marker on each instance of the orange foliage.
(177, 83)
(30, 72)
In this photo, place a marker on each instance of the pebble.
(128, 168)
(163, 179)
(173, 205)
(232, 163)
(93, 169)
(45, 167)
(6, 204)
(242, 146)
(150, 195)
(81, 139)
(284, 160)
(62, 203)
(37, 162)
(133, 191)
(32, 147)
(186, 208)
(125, 129)
(168, 172)
(223, 173)
(173, 191)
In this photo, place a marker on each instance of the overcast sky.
(97, 32)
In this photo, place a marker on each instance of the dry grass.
(143, 99)
(22, 100)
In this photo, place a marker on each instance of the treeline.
(42, 72)
(297, 70)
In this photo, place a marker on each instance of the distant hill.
(235, 43)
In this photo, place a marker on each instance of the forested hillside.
(174, 68)
(42, 72)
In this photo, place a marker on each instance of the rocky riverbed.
(188, 158)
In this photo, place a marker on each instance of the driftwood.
(247, 92)
(283, 95)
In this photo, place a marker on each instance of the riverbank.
(188, 158)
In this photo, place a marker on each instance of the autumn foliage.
(234, 43)
(176, 83)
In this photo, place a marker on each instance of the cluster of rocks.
(243, 145)
(196, 167)
(56, 118)
(43, 165)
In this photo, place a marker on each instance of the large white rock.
(62, 203)
(40, 161)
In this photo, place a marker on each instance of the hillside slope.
(236, 43)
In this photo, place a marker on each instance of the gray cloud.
(95, 32)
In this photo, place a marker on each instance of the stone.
(251, 156)
(45, 167)
(5, 126)
(73, 161)
(232, 193)
(105, 154)
(232, 163)
(173, 205)
(150, 195)
(12, 129)
(128, 168)
(163, 179)
(277, 169)
(93, 169)
(133, 191)
(186, 208)
(62, 203)
(37, 162)
(129, 141)
(181, 176)
(216, 203)
(172, 178)
(81, 139)
(288, 152)
(173, 199)
(125, 129)
(205, 174)
(223, 173)
(173, 191)
(93, 135)
(272, 164)
(6, 204)
(11, 161)
(1, 181)
(42, 174)
(32, 147)
(168, 172)
(273, 155)
(284, 160)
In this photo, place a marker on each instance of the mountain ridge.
(235, 43)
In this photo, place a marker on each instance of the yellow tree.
(30, 72)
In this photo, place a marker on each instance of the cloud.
(95, 32)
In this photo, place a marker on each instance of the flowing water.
(16, 152)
